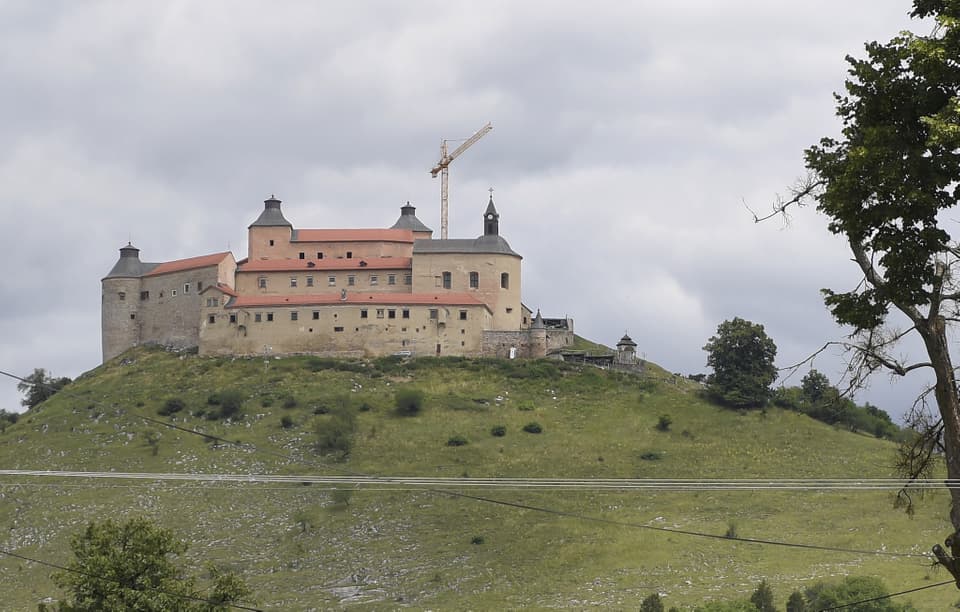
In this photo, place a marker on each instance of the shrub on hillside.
(171, 406)
(498, 431)
(409, 401)
(289, 401)
(287, 422)
(651, 603)
(335, 433)
(664, 422)
(457, 440)
(533, 427)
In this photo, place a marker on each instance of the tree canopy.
(886, 185)
(130, 566)
(741, 355)
(39, 386)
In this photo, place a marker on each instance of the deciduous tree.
(130, 566)
(886, 185)
(39, 386)
(741, 355)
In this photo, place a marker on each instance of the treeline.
(818, 399)
(853, 593)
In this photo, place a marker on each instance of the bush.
(335, 434)
(171, 406)
(457, 440)
(651, 603)
(650, 456)
(409, 401)
(731, 531)
(477, 540)
(266, 402)
(663, 424)
(532, 427)
(287, 422)
(498, 431)
(289, 401)
(231, 402)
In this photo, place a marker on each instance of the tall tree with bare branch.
(886, 185)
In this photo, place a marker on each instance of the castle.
(332, 292)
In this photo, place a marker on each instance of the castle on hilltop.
(332, 292)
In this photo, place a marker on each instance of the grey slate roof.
(129, 264)
(493, 244)
(271, 215)
(408, 220)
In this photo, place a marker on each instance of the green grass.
(303, 547)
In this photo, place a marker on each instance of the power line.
(882, 597)
(552, 511)
(123, 586)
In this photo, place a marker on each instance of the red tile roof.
(353, 235)
(354, 298)
(191, 263)
(361, 263)
(221, 287)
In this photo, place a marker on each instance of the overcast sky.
(627, 138)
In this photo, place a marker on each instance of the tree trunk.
(934, 333)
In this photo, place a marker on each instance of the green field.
(387, 546)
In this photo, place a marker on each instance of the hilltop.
(314, 546)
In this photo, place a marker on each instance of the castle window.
(405, 313)
(302, 255)
(173, 293)
(144, 295)
(392, 313)
(408, 279)
(293, 281)
(257, 318)
(309, 281)
(509, 310)
(349, 254)
(338, 329)
(504, 280)
(133, 316)
(363, 313)
(351, 280)
(474, 280)
(374, 280)
(233, 318)
(379, 313)
(293, 315)
(186, 287)
(271, 243)
(316, 315)
(212, 319)
(122, 296)
(262, 282)
(463, 331)
(269, 316)
(434, 313)
(199, 285)
(332, 281)
(319, 254)
(391, 279)
(463, 315)
(447, 280)
(161, 294)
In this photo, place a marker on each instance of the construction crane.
(443, 169)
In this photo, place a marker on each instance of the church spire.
(491, 218)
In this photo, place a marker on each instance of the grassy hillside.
(318, 546)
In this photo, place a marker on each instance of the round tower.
(626, 350)
(120, 304)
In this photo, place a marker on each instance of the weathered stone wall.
(560, 338)
(529, 343)
(428, 269)
(170, 310)
(279, 283)
(120, 316)
(342, 330)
